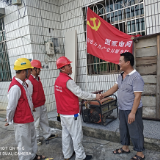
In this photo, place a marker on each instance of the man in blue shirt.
(129, 87)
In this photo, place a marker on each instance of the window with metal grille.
(125, 15)
(5, 73)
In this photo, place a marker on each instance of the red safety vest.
(67, 102)
(38, 97)
(23, 112)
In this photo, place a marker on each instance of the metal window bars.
(125, 15)
(5, 72)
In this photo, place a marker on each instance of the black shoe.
(88, 157)
(52, 136)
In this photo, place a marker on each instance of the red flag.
(104, 40)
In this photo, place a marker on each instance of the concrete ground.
(151, 128)
(111, 133)
(100, 149)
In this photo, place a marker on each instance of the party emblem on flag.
(95, 26)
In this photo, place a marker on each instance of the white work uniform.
(72, 133)
(25, 134)
(40, 116)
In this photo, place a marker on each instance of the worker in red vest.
(38, 98)
(19, 112)
(66, 94)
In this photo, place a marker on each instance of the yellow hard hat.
(21, 64)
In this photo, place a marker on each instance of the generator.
(99, 112)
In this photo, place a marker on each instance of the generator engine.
(99, 111)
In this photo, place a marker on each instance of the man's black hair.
(19, 71)
(61, 68)
(128, 57)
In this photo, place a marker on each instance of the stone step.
(111, 133)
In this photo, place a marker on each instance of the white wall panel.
(154, 1)
(151, 30)
(154, 30)
(156, 8)
(59, 15)
(158, 28)
(153, 9)
(153, 20)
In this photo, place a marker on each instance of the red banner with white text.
(104, 40)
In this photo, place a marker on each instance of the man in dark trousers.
(38, 98)
(129, 87)
(66, 94)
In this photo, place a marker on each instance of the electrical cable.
(48, 59)
(29, 40)
(41, 20)
(7, 2)
(24, 10)
(21, 17)
(42, 28)
(18, 23)
(21, 37)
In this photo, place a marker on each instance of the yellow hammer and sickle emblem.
(94, 27)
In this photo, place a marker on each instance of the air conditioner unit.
(50, 48)
(16, 2)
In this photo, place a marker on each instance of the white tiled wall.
(26, 36)
(42, 15)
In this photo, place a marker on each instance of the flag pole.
(86, 88)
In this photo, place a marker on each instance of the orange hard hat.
(62, 61)
(36, 63)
